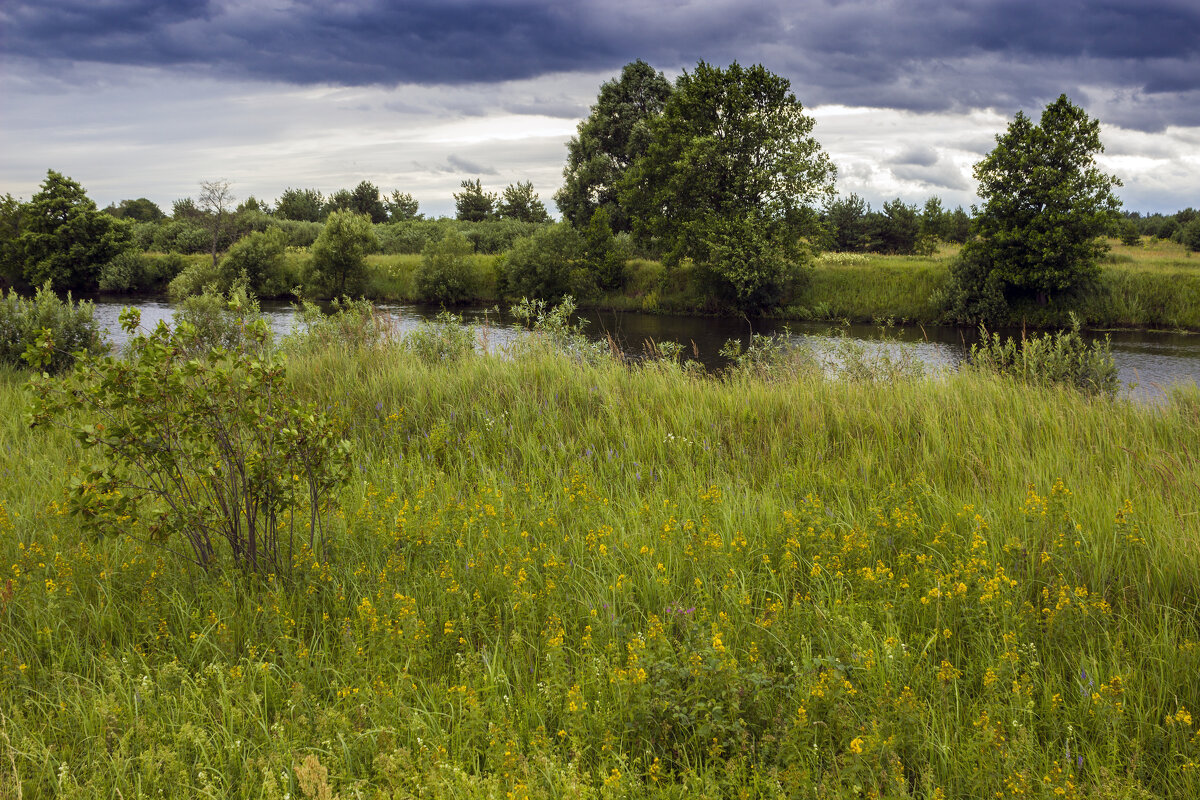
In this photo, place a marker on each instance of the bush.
(203, 445)
(196, 278)
(298, 233)
(180, 236)
(1189, 235)
(339, 254)
(354, 325)
(548, 265)
(1060, 358)
(442, 340)
(259, 259)
(221, 320)
(448, 273)
(69, 328)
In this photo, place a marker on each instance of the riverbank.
(1153, 286)
(559, 577)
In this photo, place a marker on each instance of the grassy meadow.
(554, 576)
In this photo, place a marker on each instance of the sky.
(138, 98)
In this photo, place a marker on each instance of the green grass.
(559, 578)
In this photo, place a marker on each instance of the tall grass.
(563, 576)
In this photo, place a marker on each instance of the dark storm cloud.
(1141, 58)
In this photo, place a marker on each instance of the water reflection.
(1148, 362)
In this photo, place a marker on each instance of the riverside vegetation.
(553, 573)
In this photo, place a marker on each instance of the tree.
(402, 207)
(339, 253)
(259, 257)
(1046, 205)
(521, 203)
(214, 202)
(473, 204)
(897, 229)
(364, 199)
(609, 140)
(139, 210)
(846, 219)
(546, 266)
(731, 151)
(12, 256)
(600, 252)
(64, 238)
(304, 205)
(447, 273)
(341, 200)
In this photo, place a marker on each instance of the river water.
(1148, 362)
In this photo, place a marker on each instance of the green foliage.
(1189, 235)
(1060, 358)
(339, 253)
(221, 320)
(441, 340)
(473, 204)
(180, 236)
(732, 155)
(64, 239)
(213, 205)
(204, 445)
(139, 210)
(898, 230)
(547, 265)
(1046, 204)
(521, 203)
(402, 207)
(46, 329)
(1128, 233)
(197, 278)
(448, 273)
(12, 255)
(603, 256)
(746, 267)
(302, 205)
(364, 199)
(848, 228)
(258, 259)
(608, 141)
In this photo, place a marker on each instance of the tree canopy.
(64, 238)
(521, 203)
(732, 156)
(1046, 205)
(473, 204)
(609, 140)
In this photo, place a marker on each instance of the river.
(1149, 362)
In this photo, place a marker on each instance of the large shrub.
(339, 264)
(69, 328)
(199, 450)
(1061, 358)
(257, 258)
(548, 265)
(448, 273)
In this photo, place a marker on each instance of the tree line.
(716, 174)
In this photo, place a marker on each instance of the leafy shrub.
(222, 320)
(200, 444)
(299, 233)
(196, 278)
(447, 273)
(767, 356)
(258, 257)
(548, 265)
(354, 324)
(180, 236)
(70, 327)
(1189, 235)
(132, 271)
(410, 236)
(444, 339)
(1061, 358)
(339, 254)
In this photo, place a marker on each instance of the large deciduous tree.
(1046, 205)
(728, 179)
(609, 140)
(64, 238)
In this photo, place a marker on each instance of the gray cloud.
(919, 156)
(1141, 59)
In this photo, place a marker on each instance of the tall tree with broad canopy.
(1046, 206)
(609, 140)
(729, 179)
(65, 239)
